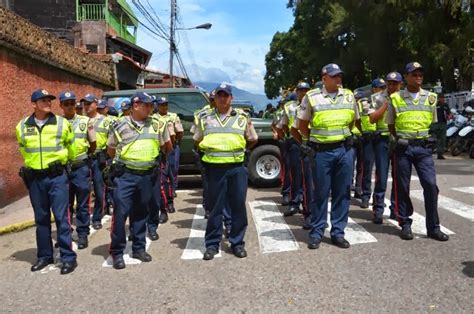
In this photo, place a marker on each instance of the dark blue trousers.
(368, 158)
(357, 163)
(46, 195)
(227, 188)
(308, 185)
(332, 176)
(227, 217)
(132, 194)
(99, 192)
(296, 190)
(421, 158)
(155, 205)
(173, 159)
(79, 187)
(381, 146)
(285, 163)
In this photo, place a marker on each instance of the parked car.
(264, 160)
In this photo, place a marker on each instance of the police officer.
(368, 130)
(223, 136)
(279, 135)
(381, 143)
(101, 128)
(79, 177)
(135, 144)
(331, 112)
(409, 117)
(79, 108)
(46, 145)
(438, 129)
(357, 156)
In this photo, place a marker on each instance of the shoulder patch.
(432, 99)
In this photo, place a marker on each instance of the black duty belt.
(139, 172)
(227, 165)
(324, 147)
(50, 172)
(80, 164)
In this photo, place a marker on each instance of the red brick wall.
(19, 76)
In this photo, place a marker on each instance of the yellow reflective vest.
(223, 141)
(137, 148)
(50, 143)
(413, 117)
(331, 117)
(367, 127)
(102, 127)
(81, 143)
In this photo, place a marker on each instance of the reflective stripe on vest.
(413, 121)
(80, 137)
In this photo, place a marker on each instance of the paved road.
(379, 273)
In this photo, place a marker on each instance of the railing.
(98, 12)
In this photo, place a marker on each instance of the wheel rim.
(268, 167)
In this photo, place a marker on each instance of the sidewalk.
(16, 216)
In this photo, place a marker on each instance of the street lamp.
(202, 26)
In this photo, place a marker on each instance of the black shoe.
(97, 225)
(393, 216)
(307, 223)
(291, 211)
(438, 235)
(285, 200)
(130, 238)
(239, 251)
(313, 244)
(364, 204)
(357, 195)
(82, 242)
(378, 220)
(440, 156)
(206, 214)
(41, 263)
(118, 262)
(340, 242)
(163, 217)
(209, 254)
(406, 233)
(68, 267)
(143, 256)
(153, 235)
(171, 208)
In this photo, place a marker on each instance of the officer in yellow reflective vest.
(135, 145)
(79, 176)
(99, 158)
(331, 112)
(46, 145)
(368, 131)
(409, 117)
(381, 145)
(223, 135)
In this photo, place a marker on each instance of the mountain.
(259, 101)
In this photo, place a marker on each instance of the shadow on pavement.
(186, 223)
(181, 243)
(28, 255)
(102, 250)
(468, 269)
(187, 210)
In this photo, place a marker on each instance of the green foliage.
(371, 38)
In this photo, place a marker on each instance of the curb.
(16, 227)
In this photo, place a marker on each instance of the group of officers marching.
(321, 130)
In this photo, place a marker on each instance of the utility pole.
(172, 44)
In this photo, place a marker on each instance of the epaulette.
(242, 112)
(315, 91)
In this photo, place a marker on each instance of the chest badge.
(82, 126)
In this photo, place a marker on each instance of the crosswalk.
(275, 235)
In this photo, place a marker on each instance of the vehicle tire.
(456, 148)
(264, 166)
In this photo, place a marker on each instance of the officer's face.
(223, 101)
(103, 111)
(43, 105)
(300, 93)
(90, 107)
(393, 86)
(378, 89)
(332, 83)
(68, 107)
(414, 78)
(163, 109)
(141, 110)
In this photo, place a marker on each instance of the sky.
(232, 51)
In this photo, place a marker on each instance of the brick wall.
(20, 75)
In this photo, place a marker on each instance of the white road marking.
(418, 225)
(456, 207)
(185, 191)
(467, 189)
(274, 234)
(390, 179)
(195, 247)
(354, 233)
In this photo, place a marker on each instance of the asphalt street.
(378, 273)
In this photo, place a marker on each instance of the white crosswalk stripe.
(195, 246)
(127, 255)
(418, 225)
(456, 207)
(274, 234)
(467, 189)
